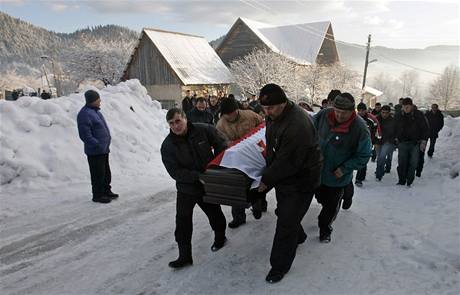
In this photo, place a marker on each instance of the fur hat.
(345, 101)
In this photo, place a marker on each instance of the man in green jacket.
(346, 146)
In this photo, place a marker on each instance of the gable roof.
(290, 40)
(373, 91)
(191, 57)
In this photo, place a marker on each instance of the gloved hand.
(423, 145)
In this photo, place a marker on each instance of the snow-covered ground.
(54, 240)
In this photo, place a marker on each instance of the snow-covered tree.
(446, 89)
(409, 81)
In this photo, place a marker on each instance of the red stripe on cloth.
(216, 161)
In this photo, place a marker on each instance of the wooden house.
(169, 63)
(370, 96)
(305, 44)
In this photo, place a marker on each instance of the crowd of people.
(307, 155)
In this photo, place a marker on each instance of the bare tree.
(446, 88)
(409, 80)
(390, 87)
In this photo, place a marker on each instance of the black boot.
(219, 241)
(274, 276)
(112, 195)
(185, 257)
(102, 199)
(301, 238)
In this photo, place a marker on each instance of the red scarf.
(339, 127)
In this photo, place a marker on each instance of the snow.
(191, 57)
(54, 240)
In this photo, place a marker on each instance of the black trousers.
(292, 205)
(348, 191)
(408, 156)
(184, 217)
(330, 199)
(239, 212)
(101, 177)
(361, 174)
(431, 148)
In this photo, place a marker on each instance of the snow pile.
(448, 144)
(41, 147)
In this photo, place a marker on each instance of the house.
(370, 96)
(304, 44)
(169, 63)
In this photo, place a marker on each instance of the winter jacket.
(436, 122)
(388, 127)
(243, 124)
(374, 127)
(412, 127)
(256, 107)
(187, 104)
(197, 116)
(214, 110)
(293, 156)
(185, 157)
(93, 131)
(346, 146)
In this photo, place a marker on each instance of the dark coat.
(412, 127)
(197, 116)
(388, 127)
(187, 104)
(436, 122)
(93, 131)
(185, 157)
(293, 154)
(214, 110)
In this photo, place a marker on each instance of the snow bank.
(448, 144)
(40, 146)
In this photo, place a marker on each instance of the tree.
(409, 81)
(446, 88)
(390, 87)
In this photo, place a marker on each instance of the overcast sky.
(398, 24)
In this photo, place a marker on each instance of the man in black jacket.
(387, 142)
(185, 152)
(436, 121)
(199, 114)
(187, 104)
(412, 134)
(293, 159)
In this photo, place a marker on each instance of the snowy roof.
(372, 91)
(191, 58)
(299, 42)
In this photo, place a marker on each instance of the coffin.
(225, 186)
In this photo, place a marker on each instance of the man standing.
(185, 152)
(412, 134)
(187, 104)
(346, 146)
(374, 129)
(293, 168)
(214, 108)
(436, 122)
(377, 109)
(234, 124)
(387, 142)
(95, 134)
(199, 114)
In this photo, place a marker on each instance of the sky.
(396, 24)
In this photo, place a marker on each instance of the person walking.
(234, 124)
(293, 167)
(185, 153)
(346, 146)
(412, 134)
(374, 129)
(95, 134)
(187, 104)
(387, 142)
(436, 122)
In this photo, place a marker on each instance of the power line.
(320, 34)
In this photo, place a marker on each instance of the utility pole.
(366, 63)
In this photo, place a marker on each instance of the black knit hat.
(228, 105)
(407, 101)
(91, 96)
(361, 106)
(272, 94)
(333, 94)
(345, 101)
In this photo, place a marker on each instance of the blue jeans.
(384, 157)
